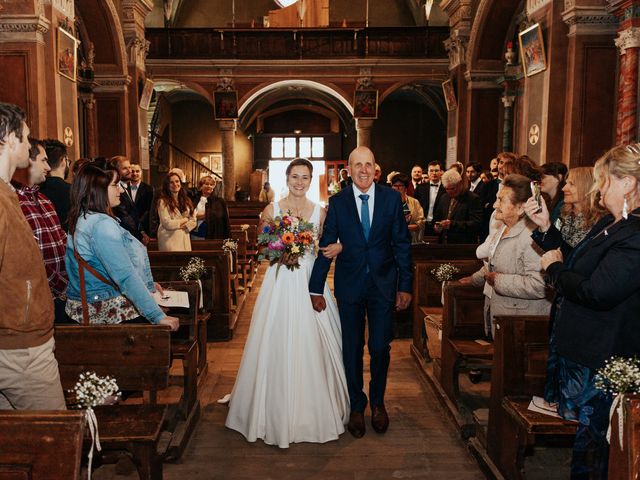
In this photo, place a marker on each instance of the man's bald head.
(362, 165)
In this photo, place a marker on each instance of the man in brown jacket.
(29, 376)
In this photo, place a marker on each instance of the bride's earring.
(625, 209)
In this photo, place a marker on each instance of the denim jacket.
(116, 255)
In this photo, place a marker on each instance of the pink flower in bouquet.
(277, 245)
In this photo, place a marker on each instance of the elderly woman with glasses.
(597, 318)
(413, 212)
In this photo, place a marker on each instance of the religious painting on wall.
(147, 93)
(225, 105)
(66, 54)
(449, 95)
(532, 50)
(365, 103)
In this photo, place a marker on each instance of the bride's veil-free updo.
(299, 162)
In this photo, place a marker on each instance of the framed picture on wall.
(205, 160)
(449, 95)
(66, 54)
(147, 93)
(216, 162)
(532, 50)
(225, 105)
(365, 103)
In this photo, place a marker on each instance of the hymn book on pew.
(172, 298)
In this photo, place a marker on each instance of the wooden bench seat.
(624, 460)
(138, 357)
(462, 325)
(41, 445)
(519, 372)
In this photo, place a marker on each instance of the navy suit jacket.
(387, 253)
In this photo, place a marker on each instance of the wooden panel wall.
(111, 134)
(14, 79)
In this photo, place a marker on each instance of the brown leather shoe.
(379, 419)
(356, 424)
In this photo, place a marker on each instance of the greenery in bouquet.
(91, 390)
(619, 376)
(229, 245)
(445, 272)
(194, 270)
(285, 239)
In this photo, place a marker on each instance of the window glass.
(305, 147)
(277, 147)
(289, 147)
(317, 147)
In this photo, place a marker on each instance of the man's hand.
(318, 302)
(158, 288)
(490, 278)
(145, 239)
(445, 224)
(332, 250)
(403, 299)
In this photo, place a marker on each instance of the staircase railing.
(171, 156)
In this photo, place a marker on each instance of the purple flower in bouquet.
(277, 245)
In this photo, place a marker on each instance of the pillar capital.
(227, 125)
(628, 38)
(134, 13)
(507, 100)
(589, 20)
(456, 46)
(23, 28)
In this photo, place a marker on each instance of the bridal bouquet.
(285, 240)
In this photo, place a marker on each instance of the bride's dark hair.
(302, 162)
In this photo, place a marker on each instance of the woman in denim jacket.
(123, 294)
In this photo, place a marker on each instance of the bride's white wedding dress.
(291, 385)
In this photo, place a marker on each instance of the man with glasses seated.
(55, 188)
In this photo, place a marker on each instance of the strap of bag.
(82, 264)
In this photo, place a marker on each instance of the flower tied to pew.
(194, 270)
(244, 227)
(445, 272)
(619, 376)
(90, 391)
(229, 245)
(285, 240)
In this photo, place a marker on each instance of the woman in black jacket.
(212, 213)
(596, 317)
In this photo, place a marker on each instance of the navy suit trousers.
(374, 309)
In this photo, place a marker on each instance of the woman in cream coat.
(177, 216)
(512, 275)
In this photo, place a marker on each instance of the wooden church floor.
(421, 443)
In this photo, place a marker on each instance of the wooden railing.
(304, 43)
(191, 167)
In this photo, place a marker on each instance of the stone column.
(628, 42)
(363, 127)
(228, 132)
(507, 126)
(89, 104)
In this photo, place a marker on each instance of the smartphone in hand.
(537, 194)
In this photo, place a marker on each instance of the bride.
(291, 385)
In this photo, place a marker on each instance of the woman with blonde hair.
(598, 291)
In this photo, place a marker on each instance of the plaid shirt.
(51, 238)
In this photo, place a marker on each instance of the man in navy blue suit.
(373, 275)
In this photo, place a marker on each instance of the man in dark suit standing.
(430, 195)
(126, 211)
(55, 187)
(416, 179)
(476, 185)
(372, 276)
(142, 195)
(458, 218)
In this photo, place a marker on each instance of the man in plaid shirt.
(43, 219)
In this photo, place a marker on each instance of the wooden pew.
(519, 372)
(164, 274)
(427, 292)
(184, 347)
(223, 315)
(624, 461)
(42, 445)
(138, 357)
(462, 325)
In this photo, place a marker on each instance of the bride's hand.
(332, 250)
